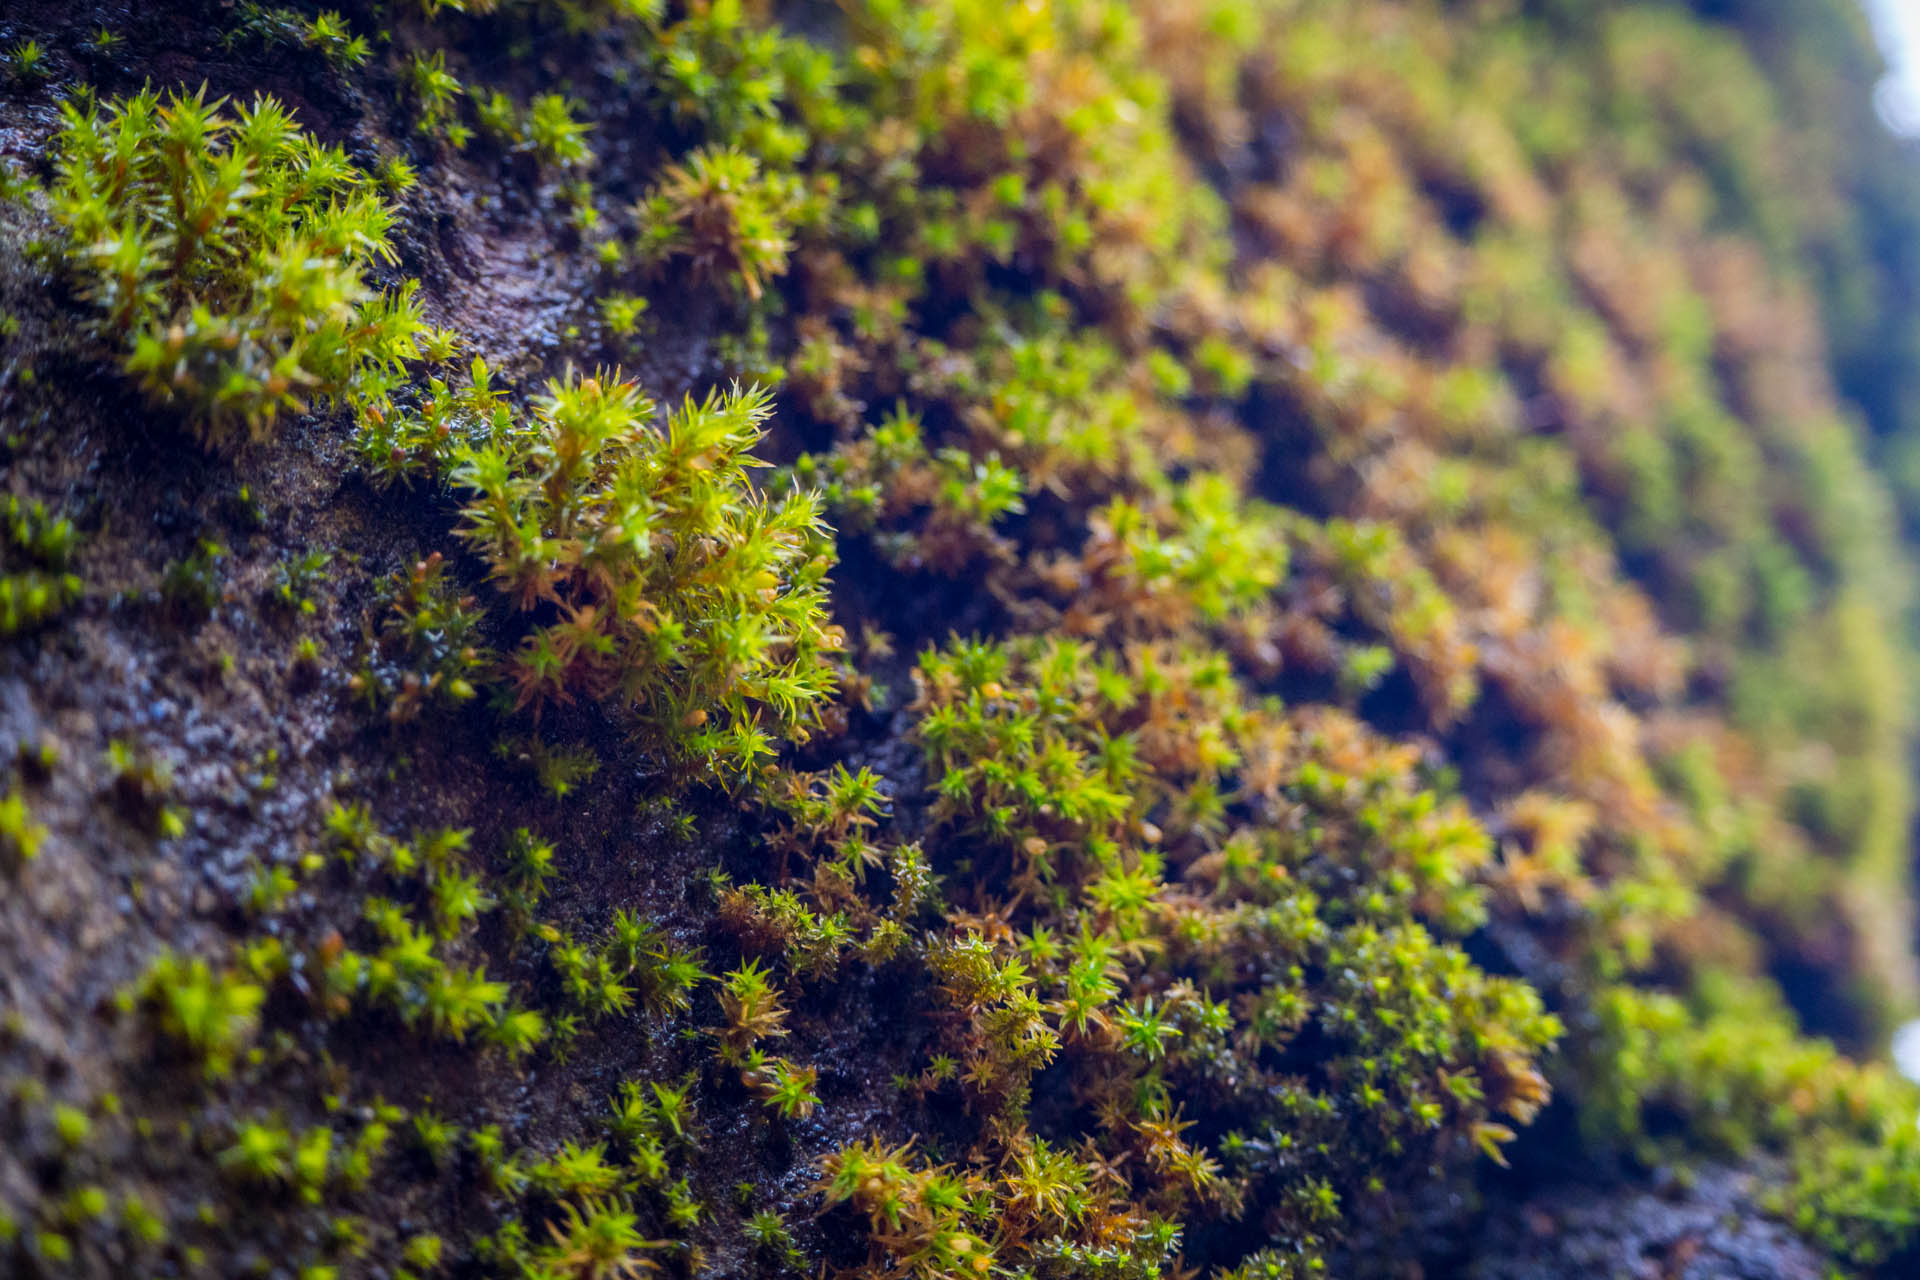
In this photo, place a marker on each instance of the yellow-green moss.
(1388, 453)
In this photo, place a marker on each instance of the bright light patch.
(1906, 1050)
(1897, 96)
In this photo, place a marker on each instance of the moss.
(1368, 534)
(20, 836)
(227, 255)
(326, 31)
(720, 213)
(684, 598)
(27, 62)
(215, 1016)
(37, 583)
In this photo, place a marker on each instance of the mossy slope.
(1318, 601)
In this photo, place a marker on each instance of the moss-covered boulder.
(1067, 640)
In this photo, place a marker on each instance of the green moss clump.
(1429, 628)
(20, 836)
(227, 253)
(685, 600)
(36, 580)
(720, 213)
(430, 650)
(215, 1016)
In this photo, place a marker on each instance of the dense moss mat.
(1064, 640)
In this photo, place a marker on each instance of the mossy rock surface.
(1302, 670)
